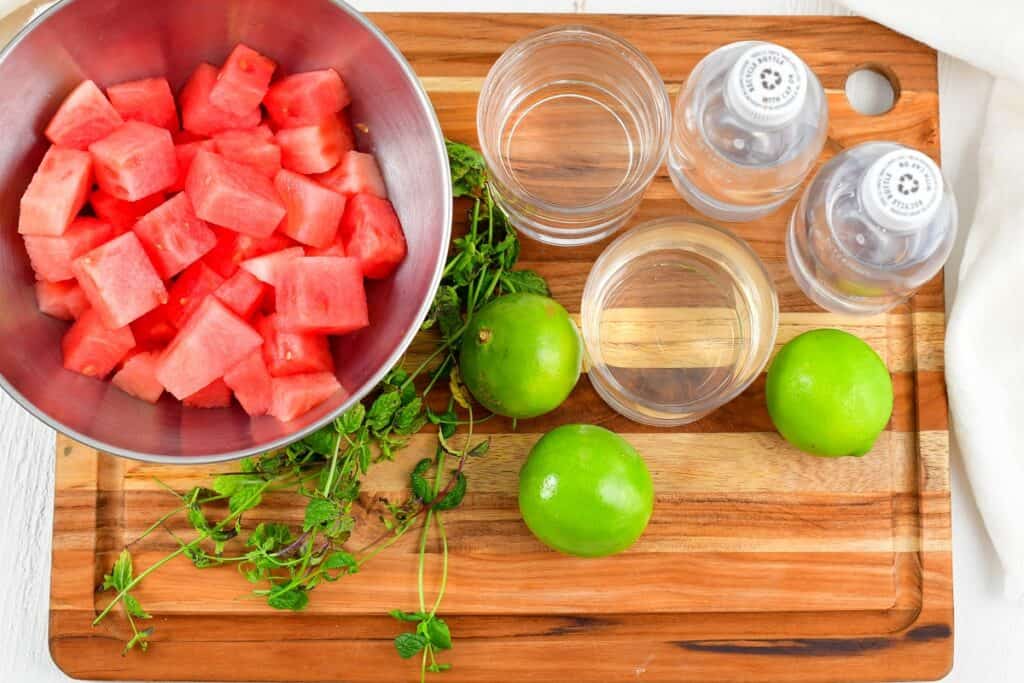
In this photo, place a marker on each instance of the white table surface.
(989, 631)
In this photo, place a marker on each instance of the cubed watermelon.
(335, 248)
(56, 193)
(233, 195)
(135, 161)
(242, 82)
(305, 99)
(242, 293)
(357, 173)
(51, 257)
(267, 267)
(202, 117)
(121, 214)
(91, 348)
(173, 236)
(291, 353)
(61, 300)
(313, 149)
(223, 257)
(149, 100)
(119, 280)
(188, 291)
(250, 380)
(84, 117)
(296, 395)
(216, 394)
(313, 211)
(321, 294)
(372, 235)
(185, 153)
(137, 377)
(251, 247)
(250, 147)
(212, 342)
(154, 330)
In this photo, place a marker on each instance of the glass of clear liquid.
(573, 124)
(678, 318)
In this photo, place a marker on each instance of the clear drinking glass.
(678, 318)
(573, 123)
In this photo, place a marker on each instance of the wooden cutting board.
(760, 563)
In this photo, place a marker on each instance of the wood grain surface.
(760, 563)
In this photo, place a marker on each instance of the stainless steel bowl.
(117, 40)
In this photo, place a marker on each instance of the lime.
(829, 393)
(585, 491)
(521, 355)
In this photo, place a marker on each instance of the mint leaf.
(121, 573)
(246, 497)
(453, 498)
(289, 598)
(412, 617)
(438, 634)
(524, 281)
(352, 420)
(319, 511)
(408, 644)
(323, 441)
(383, 410)
(340, 559)
(421, 488)
(132, 606)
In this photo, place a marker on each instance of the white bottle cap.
(902, 190)
(767, 85)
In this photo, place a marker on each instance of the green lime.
(829, 393)
(521, 355)
(585, 491)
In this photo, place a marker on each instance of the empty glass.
(573, 123)
(678, 318)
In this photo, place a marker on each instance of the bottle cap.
(902, 190)
(767, 85)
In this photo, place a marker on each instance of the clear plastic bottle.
(749, 126)
(876, 222)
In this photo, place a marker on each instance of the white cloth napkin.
(985, 335)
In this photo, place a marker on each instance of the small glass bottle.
(749, 126)
(876, 222)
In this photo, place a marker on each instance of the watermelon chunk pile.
(206, 246)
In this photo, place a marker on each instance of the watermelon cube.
(296, 395)
(313, 149)
(135, 161)
(242, 82)
(216, 394)
(251, 382)
(153, 330)
(335, 248)
(61, 300)
(56, 193)
(250, 147)
(357, 173)
(233, 195)
(267, 267)
(84, 117)
(372, 235)
(51, 257)
(305, 99)
(119, 280)
(242, 293)
(223, 257)
(121, 214)
(200, 116)
(188, 291)
(314, 212)
(292, 353)
(321, 295)
(185, 153)
(173, 236)
(149, 100)
(137, 377)
(212, 342)
(91, 348)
